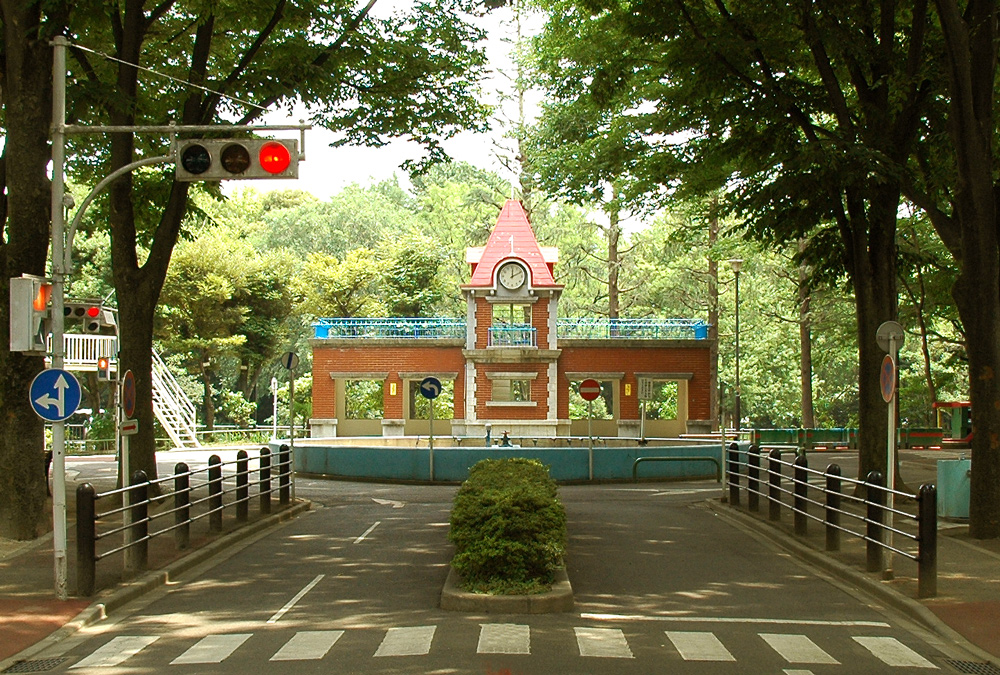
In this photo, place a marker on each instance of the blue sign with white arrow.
(430, 387)
(55, 394)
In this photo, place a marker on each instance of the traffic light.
(104, 369)
(236, 159)
(29, 313)
(91, 313)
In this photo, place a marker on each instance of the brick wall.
(539, 392)
(631, 360)
(392, 359)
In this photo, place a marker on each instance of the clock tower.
(511, 355)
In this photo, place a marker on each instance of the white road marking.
(413, 641)
(389, 502)
(699, 646)
(731, 619)
(116, 651)
(504, 638)
(308, 645)
(212, 649)
(367, 532)
(892, 652)
(602, 642)
(291, 603)
(797, 648)
(791, 671)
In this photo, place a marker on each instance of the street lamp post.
(736, 264)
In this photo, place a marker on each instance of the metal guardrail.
(826, 494)
(135, 529)
(713, 460)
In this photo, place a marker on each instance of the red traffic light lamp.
(236, 159)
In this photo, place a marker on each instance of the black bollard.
(242, 486)
(801, 489)
(833, 507)
(265, 481)
(86, 540)
(215, 493)
(182, 505)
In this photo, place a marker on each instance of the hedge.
(508, 527)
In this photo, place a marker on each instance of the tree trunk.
(27, 101)
(208, 406)
(970, 34)
(713, 319)
(808, 418)
(614, 260)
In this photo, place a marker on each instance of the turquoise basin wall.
(452, 464)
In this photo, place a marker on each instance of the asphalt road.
(661, 584)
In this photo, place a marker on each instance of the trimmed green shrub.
(508, 527)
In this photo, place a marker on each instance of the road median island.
(509, 531)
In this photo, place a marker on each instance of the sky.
(327, 170)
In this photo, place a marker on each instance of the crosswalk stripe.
(308, 645)
(892, 652)
(797, 648)
(411, 641)
(699, 646)
(212, 649)
(504, 638)
(602, 642)
(116, 651)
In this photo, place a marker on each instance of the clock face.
(512, 276)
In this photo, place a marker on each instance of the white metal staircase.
(171, 405)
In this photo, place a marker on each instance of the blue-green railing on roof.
(446, 327)
(513, 336)
(632, 329)
(415, 328)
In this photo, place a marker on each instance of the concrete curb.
(559, 599)
(113, 599)
(887, 595)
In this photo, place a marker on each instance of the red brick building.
(512, 364)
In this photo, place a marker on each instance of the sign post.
(290, 360)
(430, 388)
(589, 391)
(890, 337)
(55, 395)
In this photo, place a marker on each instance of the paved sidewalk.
(966, 610)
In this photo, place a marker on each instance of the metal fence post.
(927, 542)
(265, 480)
(801, 488)
(182, 505)
(733, 474)
(137, 555)
(774, 484)
(876, 501)
(215, 493)
(284, 475)
(833, 507)
(86, 540)
(242, 486)
(753, 478)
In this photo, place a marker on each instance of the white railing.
(82, 351)
(172, 407)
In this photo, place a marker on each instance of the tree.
(343, 288)
(409, 74)
(26, 103)
(966, 218)
(786, 106)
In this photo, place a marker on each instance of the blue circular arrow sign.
(430, 387)
(54, 394)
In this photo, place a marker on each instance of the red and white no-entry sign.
(590, 390)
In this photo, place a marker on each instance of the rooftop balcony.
(436, 328)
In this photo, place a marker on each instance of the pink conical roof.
(512, 238)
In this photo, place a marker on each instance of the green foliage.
(235, 408)
(363, 399)
(508, 527)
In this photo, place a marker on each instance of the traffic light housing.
(236, 159)
(92, 315)
(104, 369)
(30, 313)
